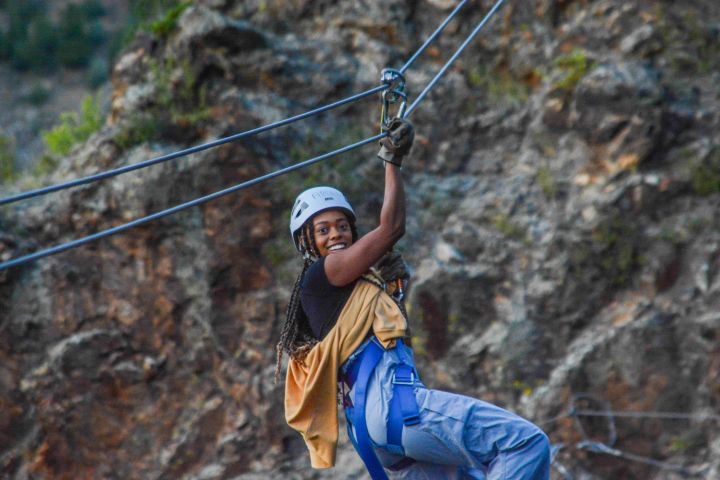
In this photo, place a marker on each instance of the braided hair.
(296, 337)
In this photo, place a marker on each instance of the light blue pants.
(458, 437)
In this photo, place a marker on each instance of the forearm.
(345, 266)
(392, 215)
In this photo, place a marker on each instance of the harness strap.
(403, 408)
(361, 441)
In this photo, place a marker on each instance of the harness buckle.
(402, 378)
(411, 420)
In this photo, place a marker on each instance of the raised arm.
(345, 266)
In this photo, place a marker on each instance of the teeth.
(339, 246)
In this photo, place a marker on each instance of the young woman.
(344, 332)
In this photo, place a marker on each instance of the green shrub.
(615, 249)
(524, 388)
(143, 13)
(178, 99)
(547, 183)
(501, 86)
(78, 37)
(45, 166)
(37, 50)
(510, 230)
(706, 174)
(179, 106)
(30, 40)
(575, 65)
(691, 45)
(138, 130)
(705, 181)
(34, 42)
(147, 10)
(164, 26)
(62, 138)
(74, 128)
(20, 14)
(612, 265)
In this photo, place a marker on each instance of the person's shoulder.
(315, 277)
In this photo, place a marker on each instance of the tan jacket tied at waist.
(311, 385)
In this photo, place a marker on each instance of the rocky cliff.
(563, 227)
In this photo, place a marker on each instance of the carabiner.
(399, 292)
(393, 78)
(395, 93)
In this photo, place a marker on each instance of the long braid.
(296, 337)
(309, 239)
(289, 330)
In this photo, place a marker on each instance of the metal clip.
(399, 292)
(394, 93)
(409, 381)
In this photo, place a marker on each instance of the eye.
(322, 231)
(344, 227)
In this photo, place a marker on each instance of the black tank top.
(322, 301)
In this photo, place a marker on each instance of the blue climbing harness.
(403, 407)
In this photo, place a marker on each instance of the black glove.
(392, 267)
(398, 142)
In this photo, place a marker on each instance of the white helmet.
(313, 201)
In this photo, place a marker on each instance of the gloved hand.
(392, 267)
(398, 142)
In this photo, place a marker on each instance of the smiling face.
(332, 232)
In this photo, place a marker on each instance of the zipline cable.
(141, 221)
(193, 203)
(198, 148)
(608, 448)
(434, 35)
(457, 53)
(232, 138)
(631, 414)
(650, 414)
(599, 447)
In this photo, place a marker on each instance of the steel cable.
(434, 35)
(452, 59)
(631, 414)
(608, 448)
(232, 138)
(141, 221)
(598, 447)
(193, 203)
(198, 148)
(649, 414)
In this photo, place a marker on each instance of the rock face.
(563, 227)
